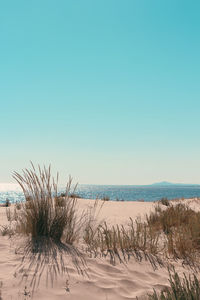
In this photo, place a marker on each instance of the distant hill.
(163, 183)
(166, 183)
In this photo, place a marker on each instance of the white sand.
(103, 281)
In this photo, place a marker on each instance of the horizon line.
(165, 183)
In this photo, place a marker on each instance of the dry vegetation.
(173, 231)
(45, 214)
(187, 288)
(122, 242)
(164, 201)
(50, 223)
(180, 226)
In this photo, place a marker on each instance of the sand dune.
(101, 281)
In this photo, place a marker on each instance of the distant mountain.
(166, 183)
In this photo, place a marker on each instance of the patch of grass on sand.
(121, 242)
(181, 228)
(42, 215)
(187, 288)
(164, 201)
(51, 224)
(173, 230)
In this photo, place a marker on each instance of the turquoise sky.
(107, 91)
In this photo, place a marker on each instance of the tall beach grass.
(41, 216)
(50, 223)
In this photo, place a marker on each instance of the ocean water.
(114, 192)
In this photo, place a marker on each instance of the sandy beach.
(100, 279)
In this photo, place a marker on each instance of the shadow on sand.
(45, 257)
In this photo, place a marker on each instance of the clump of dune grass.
(181, 228)
(187, 288)
(164, 201)
(120, 242)
(50, 222)
(173, 231)
(41, 216)
(170, 218)
(18, 205)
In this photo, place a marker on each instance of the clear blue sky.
(107, 91)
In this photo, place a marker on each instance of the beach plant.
(41, 216)
(50, 223)
(187, 288)
(18, 205)
(121, 242)
(174, 231)
(164, 201)
(170, 218)
(7, 203)
(181, 228)
(6, 230)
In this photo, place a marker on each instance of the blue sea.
(115, 192)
